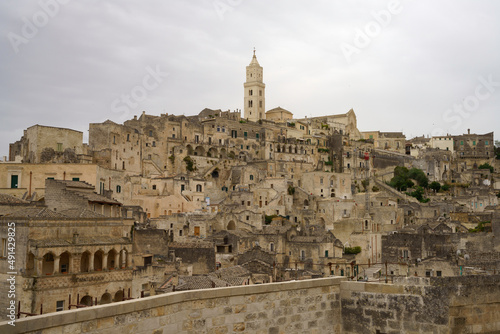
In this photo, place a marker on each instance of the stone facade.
(329, 305)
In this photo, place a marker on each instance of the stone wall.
(461, 304)
(310, 306)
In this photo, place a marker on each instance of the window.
(198, 188)
(248, 217)
(76, 179)
(260, 92)
(271, 247)
(250, 92)
(151, 133)
(14, 181)
(114, 139)
(260, 104)
(154, 186)
(438, 273)
(474, 142)
(250, 104)
(60, 305)
(4, 247)
(59, 147)
(245, 134)
(256, 136)
(427, 273)
(128, 136)
(118, 189)
(248, 203)
(486, 142)
(326, 253)
(180, 233)
(461, 142)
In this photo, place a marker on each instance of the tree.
(486, 166)
(436, 186)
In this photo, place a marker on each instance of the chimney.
(468, 131)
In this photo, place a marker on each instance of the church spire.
(254, 96)
(254, 59)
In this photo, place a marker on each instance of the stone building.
(48, 144)
(72, 255)
(255, 92)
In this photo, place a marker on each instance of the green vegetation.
(445, 187)
(269, 219)
(172, 159)
(365, 184)
(291, 190)
(242, 121)
(189, 164)
(403, 177)
(487, 166)
(481, 228)
(352, 250)
(375, 189)
(418, 194)
(323, 150)
(436, 186)
(292, 124)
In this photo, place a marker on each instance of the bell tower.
(255, 92)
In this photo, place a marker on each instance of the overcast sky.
(421, 67)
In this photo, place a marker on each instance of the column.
(124, 260)
(105, 261)
(38, 266)
(56, 264)
(91, 262)
(117, 260)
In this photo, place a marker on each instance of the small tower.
(255, 92)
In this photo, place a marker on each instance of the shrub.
(269, 219)
(352, 250)
(487, 166)
(436, 186)
(189, 164)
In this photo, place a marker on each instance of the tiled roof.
(9, 199)
(81, 213)
(235, 271)
(35, 212)
(199, 282)
(81, 241)
(93, 197)
(77, 184)
(190, 245)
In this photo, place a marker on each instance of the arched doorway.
(111, 260)
(118, 296)
(231, 226)
(64, 262)
(105, 298)
(48, 264)
(86, 300)
(98, 260)
(30, 264)
(84, 262)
